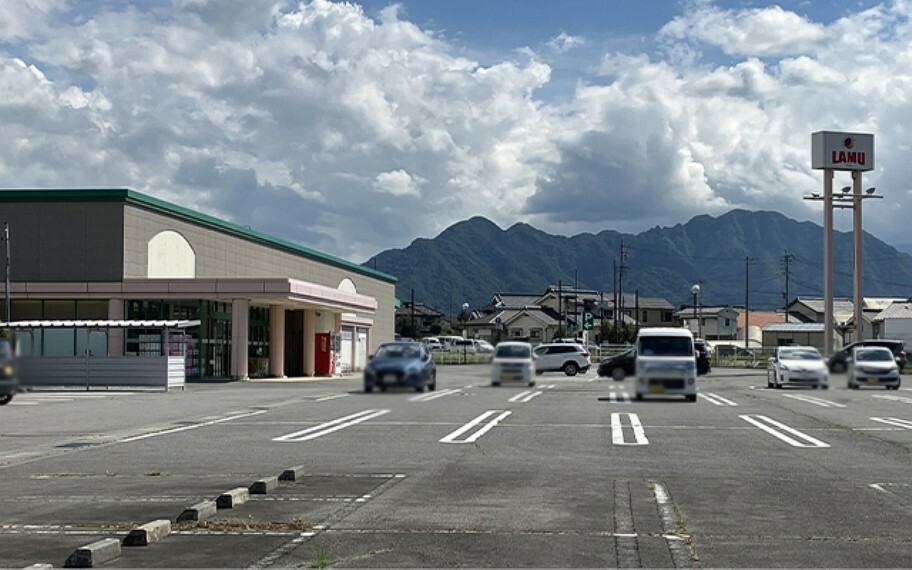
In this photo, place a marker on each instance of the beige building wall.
(222, 254)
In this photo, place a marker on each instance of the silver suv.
(569, 358)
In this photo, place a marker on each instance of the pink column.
(277, 341)
(240, 325)
(310, 330)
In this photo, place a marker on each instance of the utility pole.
(614, 308)
(747, 310)
(412, 327)
(625, 253)
(560, 306)
(787, 258)
(9, 316)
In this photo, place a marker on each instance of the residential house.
(784, 334)
(711, 323)
(894, 322)
(425, 317)
(758, 321)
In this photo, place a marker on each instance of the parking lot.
(570, 473)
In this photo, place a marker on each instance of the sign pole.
(858, 235)
(828, 261)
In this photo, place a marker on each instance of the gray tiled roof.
(895, 311)
(794, 327)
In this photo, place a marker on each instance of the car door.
(543, 362)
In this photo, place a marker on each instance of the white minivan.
(665, 363)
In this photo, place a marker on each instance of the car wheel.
(617, 373)
(838, 367)
(433, 385)
(691, 397)
(383, 387)
(495, 384)
(531, 383)
(769, 383)
(5, 399)
(852, 385)
(571, 368)
(825, 387)
(639, 397)
(421, 388)
(368, 389)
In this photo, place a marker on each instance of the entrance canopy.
(99, 324)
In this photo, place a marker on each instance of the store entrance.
(217, 340)
(294, 343)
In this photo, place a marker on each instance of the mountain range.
(472, 260)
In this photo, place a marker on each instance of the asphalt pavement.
(569, 473)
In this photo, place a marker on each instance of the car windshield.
(874, 355)
(666, 346)
(397, 351)
(513, 351)
(800, 354)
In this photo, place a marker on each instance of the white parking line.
(814, 400)
(617, 430)
(769, 426)
(194, 426)
(717, 399)
(452, 437)
(435, 395)
(327, 398)
(524, 397)
(898, 422)
(550, 387)
(331, 426)
(893, 398)
(622, 398)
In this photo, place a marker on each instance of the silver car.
(873, 366)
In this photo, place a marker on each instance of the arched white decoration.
(347, 285)
(170, 255)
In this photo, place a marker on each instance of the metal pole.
(695, 307)
(700, 313)
(747, 306)
(858, 235)
(9, 316)
(827, 261)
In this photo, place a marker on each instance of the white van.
(448, 343)
(665, 363)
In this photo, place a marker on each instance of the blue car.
(406, 364)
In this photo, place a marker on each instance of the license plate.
(872, 380)
(657, 389)
(507, 377)
(389, 378)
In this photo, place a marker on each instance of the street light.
(465, 332)
(696, 291)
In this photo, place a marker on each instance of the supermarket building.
(267, 307)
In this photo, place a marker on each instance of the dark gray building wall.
(64, 241)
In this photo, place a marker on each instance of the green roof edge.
(137, 198)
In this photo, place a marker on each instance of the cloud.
(565, 42)
(768, 31)
(399, 183)
(320, 124)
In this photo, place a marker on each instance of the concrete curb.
(264, 486)
(198, 512)
(233, 498)
(148, 533)
(90, 555)
(292, 474)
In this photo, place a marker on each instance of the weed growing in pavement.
(322, 558)
(157, 474)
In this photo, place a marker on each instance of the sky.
(352, 128)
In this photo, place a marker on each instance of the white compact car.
(797, 366)
(873, 366)
(513, 362)
(665, 363)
